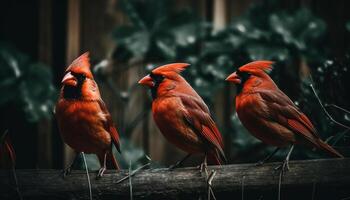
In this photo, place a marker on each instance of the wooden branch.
(323, 179)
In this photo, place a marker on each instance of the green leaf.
(347, 25)
(266, 52)
(166, 47)
(129, 8)
(27, 85)
(299, 29)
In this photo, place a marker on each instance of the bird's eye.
(157, 78)
(80, 77)
(243, 75)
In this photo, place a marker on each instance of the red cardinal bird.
(7, 153)
(181, 114)
(269, 114)
(83, 119)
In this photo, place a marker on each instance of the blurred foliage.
(179, 35)
(331, 79)
(348, 26)
(25, 85)
(159, 33)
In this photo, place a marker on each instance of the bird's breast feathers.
(82, 125)
(80, 110)
(255, 115)
(167, 110)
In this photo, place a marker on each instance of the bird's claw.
(202, 167)
(172, 167)
(66, 171)
(260, 163)
(176, 165)
(101, 171)
(284, 167)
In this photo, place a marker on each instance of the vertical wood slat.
(73, 30)
(238, 7)
(223, 105)
(220, 14)
(44, 137)
(73, 50)
(219, 22)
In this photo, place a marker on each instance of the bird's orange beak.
(69, 79)
(147, 80)
(234, 78)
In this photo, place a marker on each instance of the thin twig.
(204, 165)
(337, 136)
(87, 175)
(130, 182)
(2, 140)
(16, 182)
(148, 158)
(313, 191)
(133, 173)
(324, 109)
(279, 184)
(210, 178)
(338, 107)
(209, 193)
(212, 192)
(243, 187)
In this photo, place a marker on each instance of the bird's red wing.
(6, 150)
(198, 116)
(109, 125)
(283, 111)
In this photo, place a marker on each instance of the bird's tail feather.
(7, 152)
(111, 162)
(330, 150)
(216, 158)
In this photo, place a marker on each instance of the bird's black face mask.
(244, 76)
(74, 92)
(157, 79)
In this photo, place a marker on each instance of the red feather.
(109, 125)
(198, 116)
(173, 67)
(83, 119)
(270, 115)
(262, 65)
(82, 61)
(7, 152)
(182, 115)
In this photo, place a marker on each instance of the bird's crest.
(82, 61)
(263, 65)
(173, 67)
